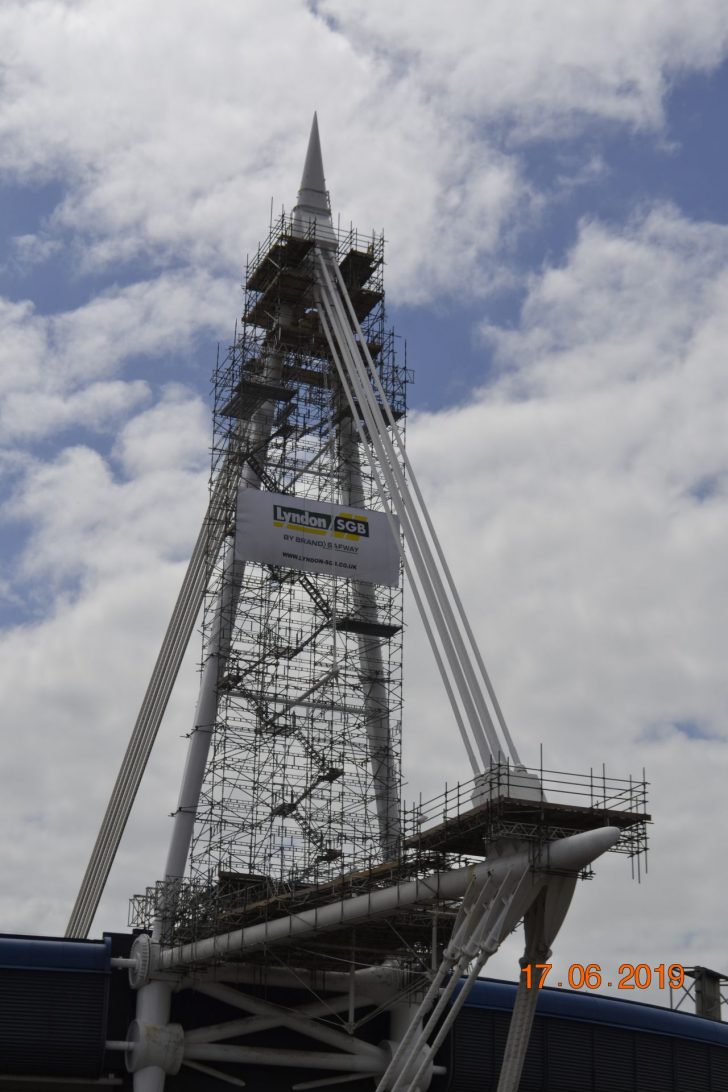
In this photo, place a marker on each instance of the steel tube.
(275, 1056)
(565, 854)
(283, 1018)
(471, 693)
(413, 546)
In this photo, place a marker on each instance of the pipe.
(460, 662)
(328, 331)
(565, 854)
(284, 1018)
(275, 1056)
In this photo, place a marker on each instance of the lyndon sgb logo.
(344, 525)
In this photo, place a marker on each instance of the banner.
(316, 537)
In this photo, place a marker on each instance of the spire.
(312, 210)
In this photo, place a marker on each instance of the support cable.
(413, 583)
(375, 380)
(440, 606)
(154, 703)
(461, 668)
(438, 591)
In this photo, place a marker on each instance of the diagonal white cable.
(376, 382)
(413, 583)
(453, 643)
(491, 917)
(343, 376)
(455, 959)
(154, 703)
(436, 592)
(496, 921)
(147, 724)
(419, 562)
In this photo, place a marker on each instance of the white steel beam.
(277, 1056)
(283, 1018)
(352, 396)
(387, 472)
(566, 854)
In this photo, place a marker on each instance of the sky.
(551, 181)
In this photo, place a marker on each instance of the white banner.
(316, 537)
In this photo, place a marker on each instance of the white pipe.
(153, 1005)
(485, 737)
(376, 984)
(326, 1082)
(328, 330)
(565, 854)
(287, 1019)
(251, 1025)
(218, 1074)
(400, 493)
(436, 542)
(276, 1056)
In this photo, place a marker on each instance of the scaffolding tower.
(292, 854)
(312, 659)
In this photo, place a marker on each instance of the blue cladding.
(615, 1012)
(41, 953)
(53, 1006)
(585, 1043)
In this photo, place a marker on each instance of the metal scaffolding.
(290, 793)
(291, 849)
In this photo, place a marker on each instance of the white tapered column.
(541, 924)
(218, 649)
(153, 999)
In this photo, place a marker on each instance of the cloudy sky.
(551, 179)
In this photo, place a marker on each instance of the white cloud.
(583, 502)
(86, 523)
(32, 413)
(102, 566)
(167, 159)
(52, 367)
(546, 67)
(592, 472)
(33, 250)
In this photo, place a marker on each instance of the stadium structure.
(310, 929)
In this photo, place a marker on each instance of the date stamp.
(589, 976)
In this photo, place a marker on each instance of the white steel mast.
(315, 353)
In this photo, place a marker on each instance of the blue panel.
(49, 954)
(572, 1005)
(53, 1006)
